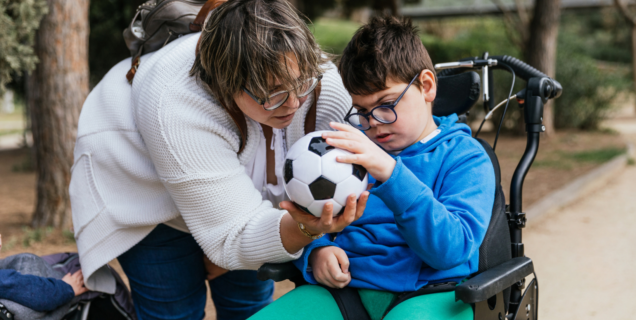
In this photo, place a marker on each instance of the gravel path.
(585, 254)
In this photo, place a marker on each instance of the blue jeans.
(167, 278)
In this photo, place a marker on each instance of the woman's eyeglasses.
(277, 99)
(384, 113)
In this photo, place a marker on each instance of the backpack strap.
(349, 303)
(197, 24)
(429, 289)
(310, 120)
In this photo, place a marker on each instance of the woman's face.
(280, 117)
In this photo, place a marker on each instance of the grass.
(30, 236)
(69, 236)
(564, 160)
(15, 116)
(34, 235)
(8, 132)
(10, 244)
(596, 156)
(26, 165)
(333, 34)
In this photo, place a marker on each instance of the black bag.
(158, 22)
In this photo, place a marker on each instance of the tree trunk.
(57, 90)
(541, 47)
(634, 56)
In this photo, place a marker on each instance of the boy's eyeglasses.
(384, 113)
(277, 99)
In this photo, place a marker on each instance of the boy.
(432, 199)
(41, 294)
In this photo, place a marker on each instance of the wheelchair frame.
(485, 291)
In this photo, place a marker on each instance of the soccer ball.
(313, 177)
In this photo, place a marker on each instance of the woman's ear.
(429, 85)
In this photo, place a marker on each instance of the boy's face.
(414, 114)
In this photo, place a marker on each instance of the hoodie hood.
(448, 128)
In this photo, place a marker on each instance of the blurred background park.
(52, 52)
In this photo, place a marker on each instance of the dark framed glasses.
(277, 99)
(383, 113)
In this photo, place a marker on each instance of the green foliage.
(472, 38)
(333, 35)
(19, 19)
(601, 34)
(588, 91)
(106, 46)
(313, 9)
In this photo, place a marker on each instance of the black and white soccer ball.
(313, 177)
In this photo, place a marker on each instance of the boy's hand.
(327, 223)
(365, 153)
(212, 269)
(330, 266)
(76, 281)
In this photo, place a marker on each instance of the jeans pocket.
(86, 201)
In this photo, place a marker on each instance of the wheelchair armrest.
(494, 280)
(278, 271)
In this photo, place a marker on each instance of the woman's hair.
(245, 42)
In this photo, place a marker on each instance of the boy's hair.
(386, 47)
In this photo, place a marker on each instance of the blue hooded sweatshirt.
(426, 222)
(37, 293)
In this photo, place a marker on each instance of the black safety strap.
(4, 313)
(349, 303)
(351, 306)
(429, 289)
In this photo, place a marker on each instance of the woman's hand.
(76, 281)
(330, 266)
(212, 269)
(327, 223)
(365, 153)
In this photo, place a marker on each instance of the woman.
(188, 163)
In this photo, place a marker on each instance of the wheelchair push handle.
(553, 89)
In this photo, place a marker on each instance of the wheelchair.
(498, 289)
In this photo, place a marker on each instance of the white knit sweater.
(165, 148)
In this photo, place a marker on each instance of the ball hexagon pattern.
(313, 177)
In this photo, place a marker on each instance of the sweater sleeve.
(302, 263)
(444, 231)
(194, 151)
(37, 293)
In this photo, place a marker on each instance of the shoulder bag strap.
(310, 120)
(197, 24)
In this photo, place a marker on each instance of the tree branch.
(511, 26)
(524, 18)
(622, 7)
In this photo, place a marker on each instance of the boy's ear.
(429, 86)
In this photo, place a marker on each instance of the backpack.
(158, 22)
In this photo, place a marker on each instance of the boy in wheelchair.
(430, 205)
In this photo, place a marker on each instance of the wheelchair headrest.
(456, 94)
